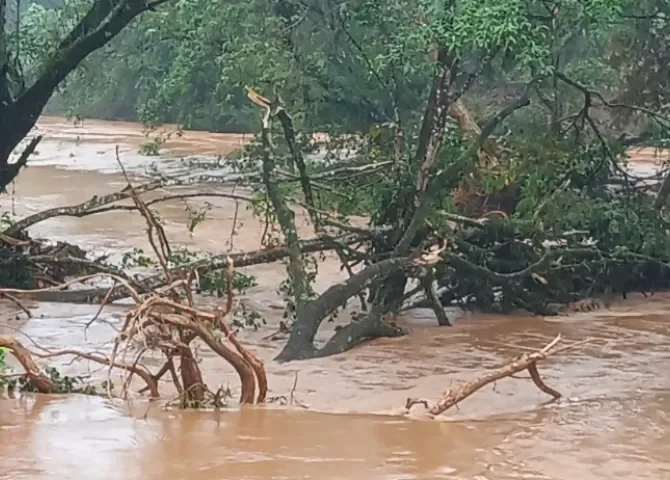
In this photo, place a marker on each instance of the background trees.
(36, 59)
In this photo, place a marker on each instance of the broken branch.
(526, 361)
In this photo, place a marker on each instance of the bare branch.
(93, 205)
(23, 355)
(526, 361)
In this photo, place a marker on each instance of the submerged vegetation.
(486, 144)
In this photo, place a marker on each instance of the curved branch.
(243, 369)
(23, 355)
(300, 345)
(526, 361)
(140, 371)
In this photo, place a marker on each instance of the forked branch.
(526, 361)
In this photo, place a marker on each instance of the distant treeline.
(339, 65)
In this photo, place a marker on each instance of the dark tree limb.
(449, 177)
(360, 331)
(431, 295)
(146, 285)
(9, 171)
(662, 120)
(434, 121)
(300, 345)
(103, 21)
(5, 94)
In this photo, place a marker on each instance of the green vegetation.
(353, 65)
(3, 360)
(61, 384)
(437, 114)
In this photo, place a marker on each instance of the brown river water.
(346, 421)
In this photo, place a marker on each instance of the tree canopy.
(349, 63)
(485, 141)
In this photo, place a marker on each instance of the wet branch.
(300, 345)
(526, 361)
(102, 22)
(151, 283)
(25, 358)
(133, 368)
(94, 204)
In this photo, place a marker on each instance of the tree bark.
(22, 354)
(103, 21)
(357, 332)
(193, 392)
(662, 195)
(241, 366)
(301, 342)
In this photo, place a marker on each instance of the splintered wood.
(525, 361)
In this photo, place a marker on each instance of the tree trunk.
(194, 387)
(662, 195)
(19, 111)
(300, 345)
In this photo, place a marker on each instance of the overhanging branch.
(104, 20)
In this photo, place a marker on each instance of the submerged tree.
(26, 87)
(566, 230)
(479, 139)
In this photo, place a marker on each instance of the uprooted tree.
(570, 221)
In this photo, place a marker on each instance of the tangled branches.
(168, 322)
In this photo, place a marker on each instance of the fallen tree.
(542, 215)
(60, 293)
(571, 245)
(166, 322)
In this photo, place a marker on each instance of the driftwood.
(526, 361)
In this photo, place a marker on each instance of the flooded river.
(345, 422)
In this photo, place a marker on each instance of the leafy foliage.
(61, 383)
(377, 70)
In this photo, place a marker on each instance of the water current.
(345, 422)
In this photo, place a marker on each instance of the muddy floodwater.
(345, 420)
